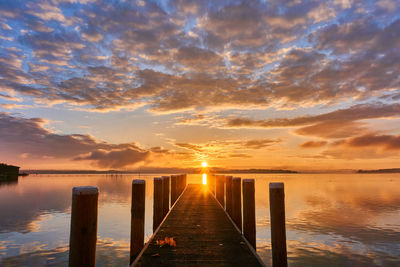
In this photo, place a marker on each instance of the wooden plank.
(203, 233)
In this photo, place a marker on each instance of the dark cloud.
(313, 144)
(386, 142)
(116, 158)
(22, 136)
(336, 124)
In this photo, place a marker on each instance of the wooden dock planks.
(203, 233)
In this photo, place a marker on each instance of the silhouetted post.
(184, 180)
(174, 193)
(228, 195)
(211, 183)
(220, 179)
(249, 212)
(83, 235)
(165, 195)
(180, 183)
(237, 202)
(137, 217)
(278, 229)
(158, 203)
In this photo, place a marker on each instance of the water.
(332, 219)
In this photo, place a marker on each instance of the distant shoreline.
(393, 170)
(189, 171)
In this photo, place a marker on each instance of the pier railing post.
(278, 229)
(174, 193)
(83, 235)
(220, 179)
(211, 183)
(158, 202)
(228, 195)
(237, 202)
(165, 195)
(137, 217)
(249, 212)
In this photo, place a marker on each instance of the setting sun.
(204, 164)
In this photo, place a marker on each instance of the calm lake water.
(332, 219)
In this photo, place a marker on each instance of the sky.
(301, 85)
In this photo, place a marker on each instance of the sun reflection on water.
(204, 178)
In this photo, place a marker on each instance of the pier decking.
(203, 233)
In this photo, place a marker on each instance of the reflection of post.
(173, 189)
(220, 179)
(83, 234)
(165, 195)
(228, 195)
(137, 217)
(249, 212)
(236, 202)
(278, 230)
(158, 203)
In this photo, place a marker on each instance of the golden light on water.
(204, 164)
(204, 178)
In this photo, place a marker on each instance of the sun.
(204, 164)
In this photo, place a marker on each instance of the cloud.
(116, 158)
(385, 142)
(336, 124)
(20, 136)
(313, 144)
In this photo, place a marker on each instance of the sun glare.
(204, 178)
(204, 164)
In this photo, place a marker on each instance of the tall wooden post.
(165, 195)
(158, 202)
(228, 195)
(83, 234)
(249, 212)
(174, 193)
(237, 202)
(220, 179)
(184, 180)
(180, 182)
(137, 217)
(211, 183)
(278, 228)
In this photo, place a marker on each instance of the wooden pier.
(202, 233)
(194, 225)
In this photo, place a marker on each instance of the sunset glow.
(204, 164)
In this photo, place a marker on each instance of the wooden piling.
(211, 183)
(83, 234)
(228, 195)
(174, 194)
(137, 217)
(158, 202)
(237, 202)
(278, 229)
(249, 212)
(220, 180)
(184, 180)
(165, 195)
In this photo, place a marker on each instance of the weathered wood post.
(237, 202)
(137, 217)
(278, 229)
(165, 195)
(249, 212)
(180, 182)
(184, 180)
(228, 195)
(158, 202)
(174, 193)
(220, 179)
(83, 234)
(211, 183)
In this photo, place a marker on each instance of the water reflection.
(204, 178)
(335, 220)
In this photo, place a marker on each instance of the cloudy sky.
(241, 84)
